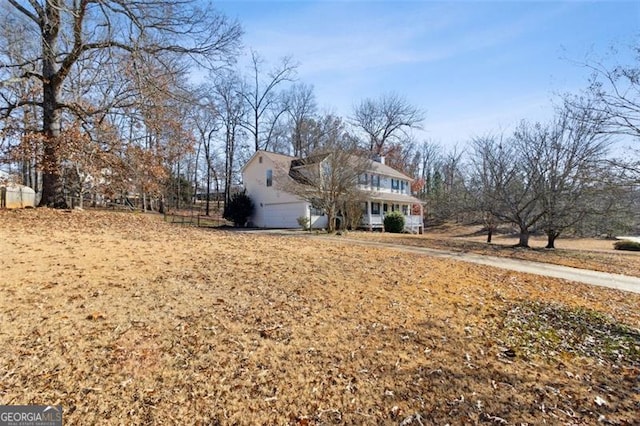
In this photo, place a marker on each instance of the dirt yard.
(124, 319)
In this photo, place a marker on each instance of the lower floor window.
(375, 208)
(315, 210)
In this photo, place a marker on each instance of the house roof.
(289, 161)
(279, 159)
(275, 157)
(385, 170)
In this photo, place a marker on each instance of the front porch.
(375, 212)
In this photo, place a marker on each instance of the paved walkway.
(602, 279)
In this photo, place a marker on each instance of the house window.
(402, 186)
(405, 209)
(375, 208)
(315, 211)
(269, 177)
(395, 207)
(395, 184)
(385, 207)
(362, 179)
(375, 181)
(315, 208)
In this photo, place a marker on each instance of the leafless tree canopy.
(386, 120)
(301, 106)
(615, 94)
(76, 41)
(546, 176)
(264, 103)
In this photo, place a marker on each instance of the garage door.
(282, 215)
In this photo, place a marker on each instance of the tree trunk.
(551, 239)
(331, 220)
(524, 238)
(489, 235)
(52, 190)
(206, 209)
(230, 152)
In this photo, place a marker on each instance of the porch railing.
(412, 223)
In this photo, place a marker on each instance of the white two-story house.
(384, 190)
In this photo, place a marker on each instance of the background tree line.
(98, 101)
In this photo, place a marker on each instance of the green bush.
(626, 245)
(239, 210)
(394, 222)
(303, 221)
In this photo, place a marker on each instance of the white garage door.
(282, 215)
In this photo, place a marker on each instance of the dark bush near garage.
(239, 210)
(394, 222)
(626, 245)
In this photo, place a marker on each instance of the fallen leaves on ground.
(124, 319)
(611, 261)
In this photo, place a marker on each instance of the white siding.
(273, 208)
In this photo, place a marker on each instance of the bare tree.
(430, 157)
(613, 98)
(402, 156)
(265, 105)
(616, 92)
(544, 177)
(442, 182)
(502, 187)
(386, 119)
(301, 107)
(69, 34)
(230, 106)
(565, 162)
(206, 122)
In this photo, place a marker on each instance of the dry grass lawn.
(124, 319)
(586, 253)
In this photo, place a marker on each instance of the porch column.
(421, 228)
(369, 215)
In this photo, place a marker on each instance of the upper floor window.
(375, 181)
(269, 177)
(402, 186)
(363, 179)
(395, 184)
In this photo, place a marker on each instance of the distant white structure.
(629, 238)
(13, 195)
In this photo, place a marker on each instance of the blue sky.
(474, 67)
